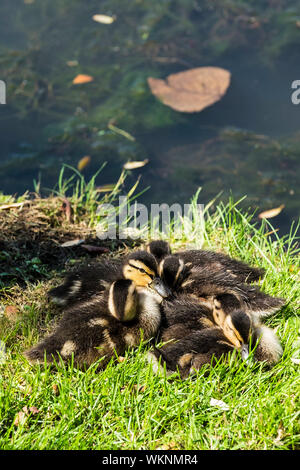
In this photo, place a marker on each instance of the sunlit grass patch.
(127, 406)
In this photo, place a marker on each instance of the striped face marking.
(138, 272)
(231, 333)
(172, 270)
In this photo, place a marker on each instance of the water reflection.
(248, 143)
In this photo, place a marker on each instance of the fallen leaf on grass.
(219, 403)
(83, 162)
(14, 204)
(134, 165)
(280, 434)
(33, 410)
(172, 445)
(67, 209)
(295, 360)
(20, 418)
(121, 359)
(22, 415)
(104, 19)
(192, 90)
(95, 249)
(11, 312)
(271, 212)
(82, 78)
(72, 243)
(55, 389)
(139, 388)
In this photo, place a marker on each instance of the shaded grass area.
(127, 406)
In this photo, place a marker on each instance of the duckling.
(191, 351)
(206, 284)
(182, 314)
(268, 346)
(92, 279)
(188, 353)
(103, 327)
(159, 249)
(209, 259)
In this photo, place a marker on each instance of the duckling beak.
(244, 351)
(158, 285)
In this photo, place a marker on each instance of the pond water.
(246, 144)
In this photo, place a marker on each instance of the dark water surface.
(246, 144)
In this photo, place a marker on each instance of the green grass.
(127, 406)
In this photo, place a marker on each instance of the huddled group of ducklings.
(199, 304)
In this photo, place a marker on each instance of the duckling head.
(159, 249)
(123, 300)
(141, 268)
(173, 271)
(237, 329)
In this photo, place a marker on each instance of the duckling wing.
(86, 281)
(182, 309)
(192, 351)
(205, 281)
(231, 293)
(220, 261)
(84, 333)
(260, 304)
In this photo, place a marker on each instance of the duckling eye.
(142, 271)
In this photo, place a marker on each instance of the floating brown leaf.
(83, 162)
(192, 90)
(104, 19)
(134, 165)
(81, 78)
(72, 63)
(271, 213)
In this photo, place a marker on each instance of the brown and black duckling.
(205, 258)
(182, 314)
(268, 349)
(102, 327)
(187, 353)
(206, 284)
(92, 279)
(159, 249)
